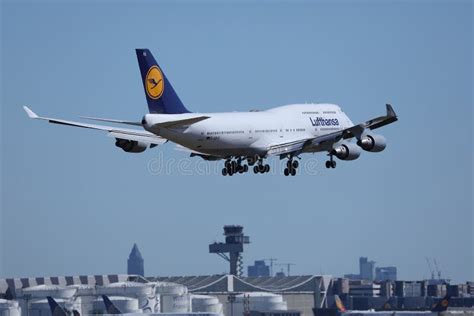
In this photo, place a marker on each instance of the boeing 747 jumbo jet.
(242, 139)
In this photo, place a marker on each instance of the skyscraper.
(366, 268)
(136, 264)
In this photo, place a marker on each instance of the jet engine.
(373, 143)
(347, 151)
(131, 146)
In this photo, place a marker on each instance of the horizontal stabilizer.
(183, 122)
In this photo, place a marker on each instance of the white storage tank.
(148, 301)
(9, 308)
(205, 304)
(174, 297)
(87, 295)
(257, 301)
(169, 288)
(176, 303)
(124, 304)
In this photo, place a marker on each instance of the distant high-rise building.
(366, 268)
(352, 276)
(386, 273)
(136, 264)
(280, 274)
(258, 269)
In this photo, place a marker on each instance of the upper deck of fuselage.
(293, 108)
(286, 111)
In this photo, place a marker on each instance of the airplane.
(340, 309)
(241, 139)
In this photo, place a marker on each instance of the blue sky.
(72, 203)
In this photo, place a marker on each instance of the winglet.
(30, 113)
(390, 111)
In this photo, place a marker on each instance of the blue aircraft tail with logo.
(159, 93)
(442, 305)
(110, 307)
(56, 310)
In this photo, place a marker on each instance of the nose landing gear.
(331, 163)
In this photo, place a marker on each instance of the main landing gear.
(260, 167)
(232, 167)
(236, 165)
(331, 163)
(291, 166)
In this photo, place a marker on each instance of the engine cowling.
(373, 143)
(131, 146)
(347, 151)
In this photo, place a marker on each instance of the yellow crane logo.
(154, 83)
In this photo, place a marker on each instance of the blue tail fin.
(160, 95)
(56, 310)
(110, 307)
(442, 305)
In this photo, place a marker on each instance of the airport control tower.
(233, 246)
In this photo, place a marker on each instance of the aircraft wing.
(297, 146)
(122, 133)
(289, 148)
(194, 153)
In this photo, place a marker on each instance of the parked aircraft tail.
(340, 306)
(109, 306)
(160, 95)
(56, 310)
(442, 305)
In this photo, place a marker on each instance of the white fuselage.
(250, 133)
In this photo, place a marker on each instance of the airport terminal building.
(215, 294)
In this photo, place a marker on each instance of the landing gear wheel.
(255, 169)
(267, 168)
(295, 164)
(286, 172)
(328, 164)
(224, 171)
(293, 172)
(227, 163)
(333, 164)
(261, 168)
(246, 168)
